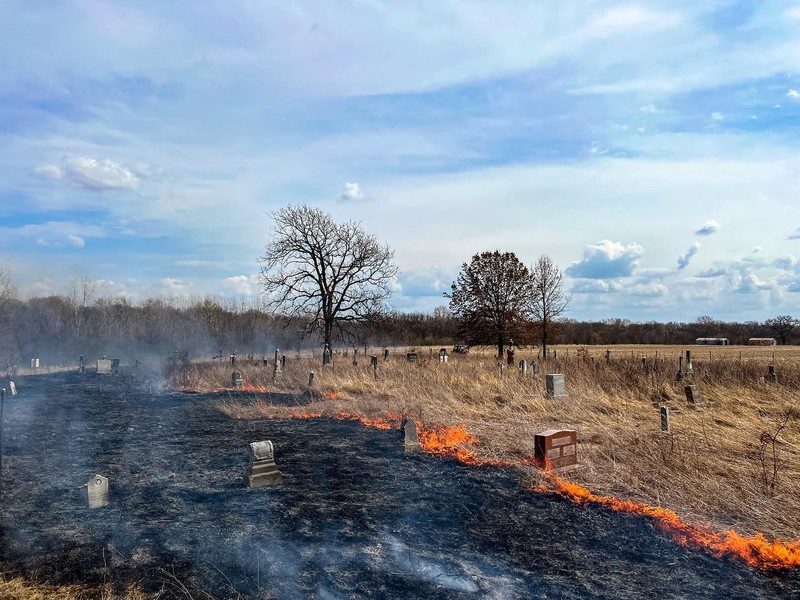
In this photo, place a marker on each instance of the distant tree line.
(59, 328)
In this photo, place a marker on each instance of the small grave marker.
(608, 356)
(523, 367)
(262, 470)
(665, 419)
(693, 396)
(411, 356)
(97, 490)
(556, 385)
(103, 366)
(410, 435)
(534, 367)
(326, 356)
(557, 448)
(34, 363)
(385, 354)
(689, 370)
(12, 388)
(311, 379)
(237, 380)
(771, 375)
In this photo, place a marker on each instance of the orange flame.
(450, 441)
(757, 550)
(332, 395)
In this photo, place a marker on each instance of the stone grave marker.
(608, 356)
(442, 355)
(693, 396)
(410, 435)
(411, 356)
(689, 370)
(103, 366)
(237, 380)
(385, 354)
(557, 448)
(523, 367)
(262, 470)
(771, 375)
(326, 356)
(34, 363)
(12, 388)
(97, 490)
(665, 419)
(556, 385)
(534, 367)
(501, 368)
(311, 379)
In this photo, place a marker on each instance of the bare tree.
(490, 297)
(783, 326)
(81, 295)
(549, 300)
(332, 274)
(8, 292)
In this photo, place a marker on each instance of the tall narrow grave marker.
(97, 490)
(262, 470)
(556, 385)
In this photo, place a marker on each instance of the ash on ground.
(356, 516)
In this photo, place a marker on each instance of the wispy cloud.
(708, 228)
(683, 260)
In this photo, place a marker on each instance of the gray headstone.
(556, 385)
(665, 418)
(34, 363)
(12, 388)
(98, 492)
(534, 367)
(411, 356)
(262, 470)
(326, 355)
(523, 367)
(237, 380)
(689, 369)
(104, 366)
(608, 355)
(693, 396)
(772, 376)
(311, 379)
(410, 435)
(385, 354)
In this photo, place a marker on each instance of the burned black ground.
(355, 517)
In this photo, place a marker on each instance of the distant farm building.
(761, 342)
(712, 342)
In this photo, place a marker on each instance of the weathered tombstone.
(501, 368)
(355, 357)
(311, 379)
(556, 385)
(236, 379)
(12, 388)
(385, 354)
(410, 435)
(442, 355)
(34, 363)
(555, 354)
(262, 470)
(556, 448)
(81, 366)
(679, 374)
(510, 356)
(373, 361)
(103, 366)
(608, 356)
(689, 370)
(115, 366)
(771, 375)
(644, 364)
(534, 368)
(411, 356)
(693, 396)
(523, 367)
(283, 362)
(665, 418)
(97, 490)
(326, 356)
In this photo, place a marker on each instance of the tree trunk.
(501, 344)
(544, 339)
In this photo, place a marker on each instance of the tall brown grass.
(733, 464)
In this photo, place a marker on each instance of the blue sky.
(651, 149)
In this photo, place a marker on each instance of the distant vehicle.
(461, 348)
(712, 342)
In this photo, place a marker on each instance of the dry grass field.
(733, 464)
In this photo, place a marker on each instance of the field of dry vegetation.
(733, 464)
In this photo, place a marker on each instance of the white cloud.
(794, 94)
(240, 284)
(649, 290)
(683, 260)
(595, 286)
(795, 235)
(787, 262)
(717, 116)
(649, 108)
(93, 174)
(75, 241)
(352, 192)
(709, 227)
(48, 172)
(750, 283)
(713, 272)
(175, 285)
(605, 260)
(646, 275)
